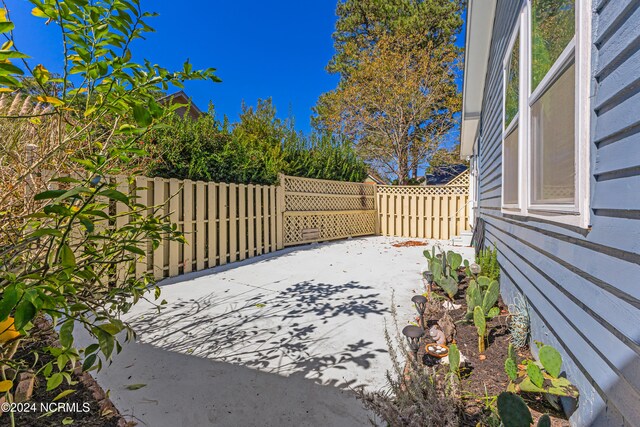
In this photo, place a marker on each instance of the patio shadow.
(287, 332)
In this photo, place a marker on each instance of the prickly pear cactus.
(493, 312)
(511, 352)
(436, 268)
(513, 411)
(481, 326)
(449, 285)
(490, 296)
(544, 421)
(511, 369)
(454, 260)
(551, 360)
(474, 298)
(484, 282)
(454, 358)
(535, 374)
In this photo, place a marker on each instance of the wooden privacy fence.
(318, 210)
(427, 212)
(221, 223)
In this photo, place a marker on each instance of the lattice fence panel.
(319, 210)
(428, 190)
(327, 202)
(327, 225)
(322, 186)
(462, 179)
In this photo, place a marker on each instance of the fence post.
(280, 207)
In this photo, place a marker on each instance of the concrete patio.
(276, 340)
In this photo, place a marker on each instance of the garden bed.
(483, 377)
(100, 411)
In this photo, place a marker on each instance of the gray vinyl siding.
(583, 286)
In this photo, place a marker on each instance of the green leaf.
(110, 328)
(89, 361)
(67, 257)
(41, 74)
(49, 194)
(66, 333)
(115, 195)
(46, 232)
(38, 13)
(25, 312)
(5, 27)
(67, 421)
(11, 54)
(134, 249)
(135, 386)
(8, 68)
(142, 116)
(54, 381)
(9, 301)
(105, 340)
(63, 394)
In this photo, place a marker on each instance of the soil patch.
(87, 406)
(484, 377)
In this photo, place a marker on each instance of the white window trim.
(507, 128)
(578, 50)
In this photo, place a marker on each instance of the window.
(552, 103)
(510, 146)
(546, 112)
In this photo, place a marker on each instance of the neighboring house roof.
(375, 178)
(480, 15)
(445, 176)
(182, 98)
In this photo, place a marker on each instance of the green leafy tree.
(398, 105)
(69, 259)
(254, 150)
(362, 23)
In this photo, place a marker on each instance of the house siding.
(583, 286)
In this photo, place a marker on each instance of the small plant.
(415, 397)
(454, 359)
(511, 364)
(514, 412)
(444, 267)
(487, 259)
(483, 293)
(480, 322)
(519, 322)
(540, 377)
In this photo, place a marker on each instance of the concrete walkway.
(272, 341)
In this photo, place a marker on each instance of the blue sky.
(261, 49)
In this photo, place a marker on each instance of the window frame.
(578, 51)
(508, 128)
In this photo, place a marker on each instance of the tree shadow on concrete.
(289, 332)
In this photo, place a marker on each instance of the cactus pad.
(511, 369)
(535, 374)
(551, 360)
(454, 358)
(544, 421)
(513, 411)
